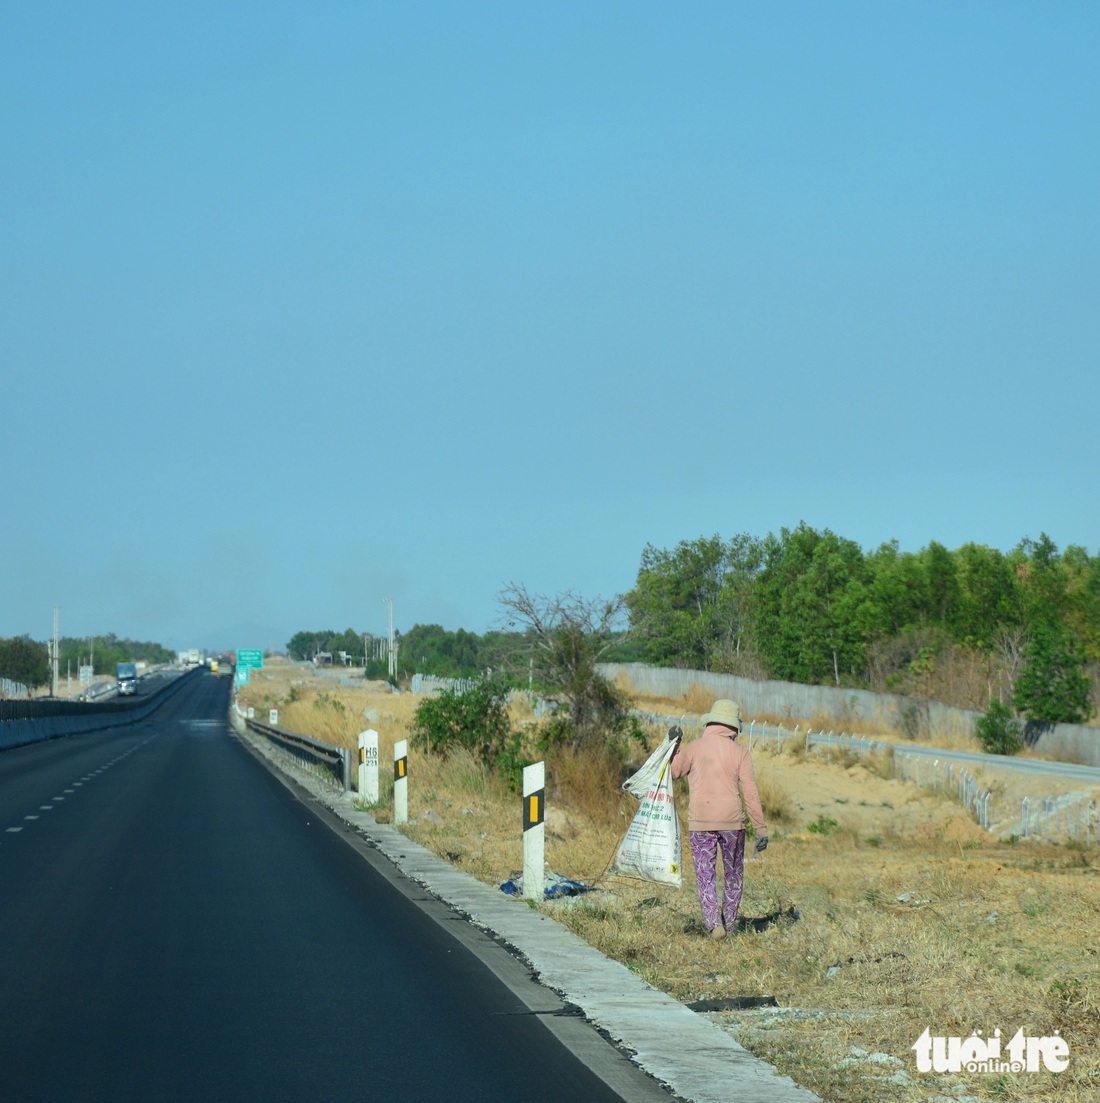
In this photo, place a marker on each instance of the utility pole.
(392, 650)
(55, 654)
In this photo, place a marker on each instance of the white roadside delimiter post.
(401, 781)
(534, 830)
(368, 766)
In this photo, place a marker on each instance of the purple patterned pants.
(704, 852)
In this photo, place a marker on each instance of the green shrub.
(477, 720)
(998, 731)
(823, 825)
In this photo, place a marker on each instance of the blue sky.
(303, 307)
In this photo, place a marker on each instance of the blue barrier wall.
(23, 722)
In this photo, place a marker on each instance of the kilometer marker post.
(368, 766)
(534, 830)
(401, 781)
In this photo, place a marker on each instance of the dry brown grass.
(911, 916)
(697, 700)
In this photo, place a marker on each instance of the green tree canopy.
(811, 606)
(816, 607)
(25, 661)
(693, 606)
(1054, 685)
(304, 645)
(431, 649)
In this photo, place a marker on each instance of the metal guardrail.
(307, 749)
(97, 691)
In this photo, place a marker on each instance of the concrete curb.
(691, 1055)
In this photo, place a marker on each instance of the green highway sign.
(242, 675)
(253, 659)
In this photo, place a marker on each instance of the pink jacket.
(719, 775)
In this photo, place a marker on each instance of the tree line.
(27, 661)
(423, 649)
(964, 626)
(551, 645)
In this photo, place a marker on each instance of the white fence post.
(534, 830)
(401, 781)
(368, 766)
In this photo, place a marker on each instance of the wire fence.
(911, 767)
(8, 688)
(1072, 815)
(429, 683)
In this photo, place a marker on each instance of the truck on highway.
(127, 679)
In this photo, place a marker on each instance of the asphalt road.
(176, 923)
(1037, 767)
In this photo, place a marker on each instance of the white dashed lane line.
(75, 785)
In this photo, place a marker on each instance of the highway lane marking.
(76, 785)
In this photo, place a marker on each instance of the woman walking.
(720, 777)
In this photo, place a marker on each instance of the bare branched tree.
(567, 636)
(1010, 644)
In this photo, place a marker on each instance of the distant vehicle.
(193, 657)
(127, 679)
(213, 666)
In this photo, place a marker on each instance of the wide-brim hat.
(725, 712)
